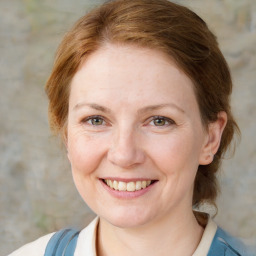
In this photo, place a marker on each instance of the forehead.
(124, 58)
(131, 72)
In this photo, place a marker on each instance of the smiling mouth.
(128, 186)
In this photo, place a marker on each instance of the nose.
(126, 150)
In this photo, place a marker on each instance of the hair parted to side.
(157, 24)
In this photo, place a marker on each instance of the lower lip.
(127, 194)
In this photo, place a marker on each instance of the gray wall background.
(37, 194)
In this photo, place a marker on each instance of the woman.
(140, 94)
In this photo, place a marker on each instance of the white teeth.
(138, 185)
(115, 185)
(143, 184)
(130, 186)
(127, 186)
(110, 183)
(121, 186)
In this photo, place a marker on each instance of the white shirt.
(86, 243)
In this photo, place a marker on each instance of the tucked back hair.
(156, 24)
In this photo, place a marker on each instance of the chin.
(127, 219)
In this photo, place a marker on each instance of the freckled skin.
(128, 144)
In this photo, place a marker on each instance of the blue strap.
(225, 245)
(62, 243)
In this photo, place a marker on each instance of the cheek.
(84, 153)
(176, 154)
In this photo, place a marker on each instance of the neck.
(178, 235)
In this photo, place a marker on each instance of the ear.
(213, 139)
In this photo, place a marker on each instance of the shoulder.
(37, 246)
(86, 243)
(227, 245)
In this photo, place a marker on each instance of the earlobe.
(213, 139)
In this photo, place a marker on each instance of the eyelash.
(167, 120)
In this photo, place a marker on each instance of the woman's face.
(135, 137)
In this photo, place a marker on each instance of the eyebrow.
(140, 111)
(93, 106)
(156, 107)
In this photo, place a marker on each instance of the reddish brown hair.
(156, 24)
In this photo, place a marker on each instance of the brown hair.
(156, 24)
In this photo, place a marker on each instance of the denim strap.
(225, 245)
(62, 243)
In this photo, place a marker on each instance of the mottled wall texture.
(37, 194)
